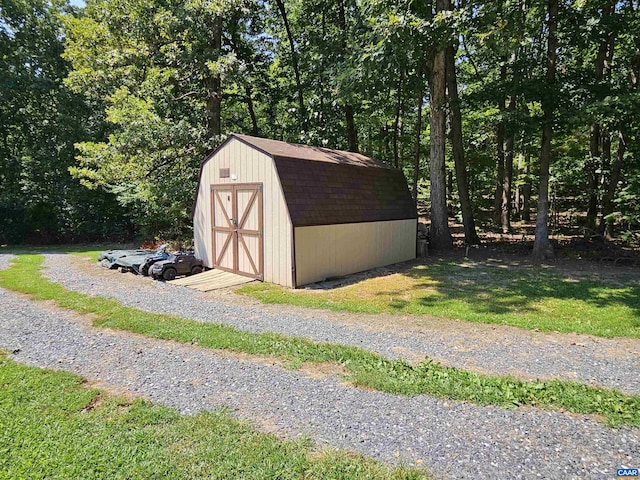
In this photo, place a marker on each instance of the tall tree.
(500, 136)
(606, 225)
(525, 211)
(602, 64)
(542, 248)
(352, 133)
(440, 236)
(506, 204)
(470, 234)
(417, 138)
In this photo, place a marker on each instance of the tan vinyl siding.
(250, 166)
(333, 250)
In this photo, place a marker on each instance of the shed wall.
(250, 166)
(335, 250)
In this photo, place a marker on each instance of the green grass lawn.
(362, 368)
(531, 298)
(53, 426)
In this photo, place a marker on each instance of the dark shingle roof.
(321, 193)
(324, 187)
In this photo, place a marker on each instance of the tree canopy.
(495, 111)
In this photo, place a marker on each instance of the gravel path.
(453, 439)
(5, 260)
(612, 363)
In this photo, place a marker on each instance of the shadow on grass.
(503, 291)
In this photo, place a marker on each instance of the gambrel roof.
(326, 187)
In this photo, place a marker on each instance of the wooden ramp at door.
(212, 280)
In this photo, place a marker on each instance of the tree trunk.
(252, 113)
(320, 119)
(542, 248)
(396, 123)
(592, 175)
(635, 69)
(214, 86)
(470, 234)
(234, 42)
(525, 212)
(527, 188)
(517, 202)
(499, 185)
(440, 236)
(294, 61)
(416, 143)
(352, 133)
(506, 207)
(595, 162)
(606, 150)
(386, 142)
(606, 226)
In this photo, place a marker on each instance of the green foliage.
(53, 426)
(144, 64)
(41, 121)
(144, 79)
(628, 210)
(364, 368)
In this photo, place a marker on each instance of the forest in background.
(495, 111)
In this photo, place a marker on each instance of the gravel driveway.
(495, 349)
(453, 439)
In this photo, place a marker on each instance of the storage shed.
(295, 214)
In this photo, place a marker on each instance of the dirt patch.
(84, 319)
(322, 370)
(310, 369)
(96, 402)
(110, 391)
(270, 426)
